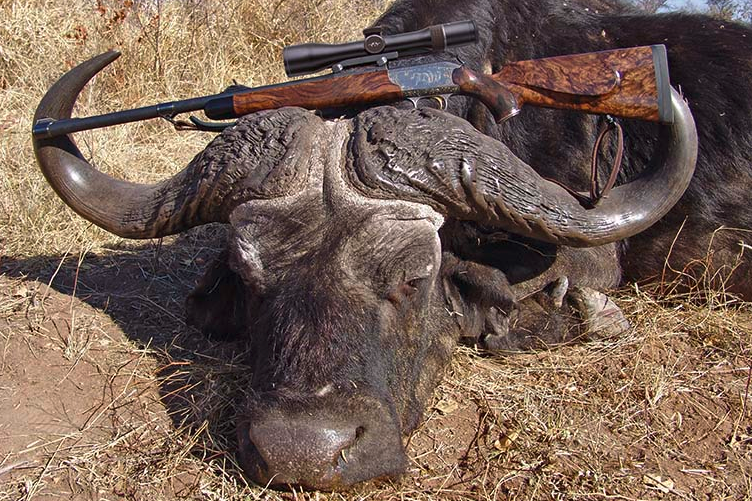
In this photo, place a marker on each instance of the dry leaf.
(447, 406)
(656, 482)
(506, 441)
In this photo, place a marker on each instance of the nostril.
(344, 453)
(255, 463)
(255, 456)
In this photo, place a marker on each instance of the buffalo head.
(334, 270)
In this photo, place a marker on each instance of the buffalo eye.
(406, 290)
(412, 286)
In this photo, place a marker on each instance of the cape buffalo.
(362, 249)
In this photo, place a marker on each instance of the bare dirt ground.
(105, 394)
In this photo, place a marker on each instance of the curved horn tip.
(108, 56)
(130, 210)
(58, 102)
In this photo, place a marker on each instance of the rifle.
(383, 69)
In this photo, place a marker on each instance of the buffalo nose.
(315, 450)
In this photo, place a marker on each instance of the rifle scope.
(312, 57)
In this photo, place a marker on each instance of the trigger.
(443, 101)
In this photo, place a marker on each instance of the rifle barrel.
(47, 128)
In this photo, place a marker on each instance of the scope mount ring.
(377, 59)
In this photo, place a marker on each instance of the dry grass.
(113, 398)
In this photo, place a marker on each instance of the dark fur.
(359, 314)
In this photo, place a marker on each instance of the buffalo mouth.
(325, 444)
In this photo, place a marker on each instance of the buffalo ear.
(482, 296)
(215, 306)
(495, 320)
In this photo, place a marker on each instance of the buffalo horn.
(435, 158)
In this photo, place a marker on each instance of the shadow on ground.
(142, 289)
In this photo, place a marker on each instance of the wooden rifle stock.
(629, 83)
(357, 89)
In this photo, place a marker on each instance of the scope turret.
(312, 57)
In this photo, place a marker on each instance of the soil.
(106, 394)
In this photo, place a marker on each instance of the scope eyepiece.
(312, 57)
